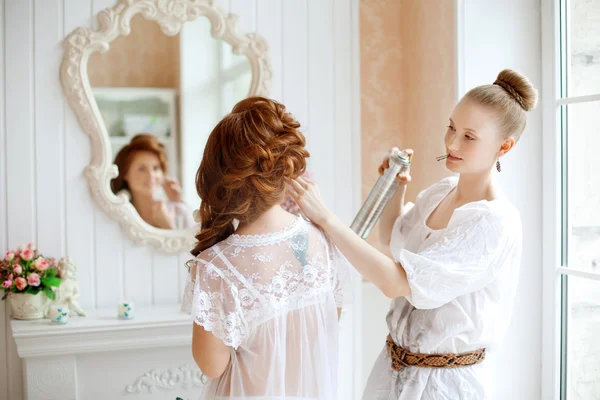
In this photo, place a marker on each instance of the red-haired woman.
(142, 172)
(265, 298)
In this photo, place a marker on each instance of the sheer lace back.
(248, 279)
(273, 299)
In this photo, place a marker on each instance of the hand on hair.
(306, 193)
(404, 179)
(172, 189)
(162, 217)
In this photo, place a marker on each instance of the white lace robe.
(463, 280)
(273, 298)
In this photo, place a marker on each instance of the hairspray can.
(382, 192)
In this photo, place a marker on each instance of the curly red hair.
(141, 142)
(247, 158)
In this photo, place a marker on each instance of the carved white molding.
(51, 378)
(185, 377)
(115, 22)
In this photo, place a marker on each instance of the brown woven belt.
(402, 358)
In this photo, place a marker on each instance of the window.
(235, 77)
(571, 89)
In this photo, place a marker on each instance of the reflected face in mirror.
(143, 166)
(145, 175)
(160, 97)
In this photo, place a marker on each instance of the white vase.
(28, 306)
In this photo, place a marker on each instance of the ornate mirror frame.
(114, 22)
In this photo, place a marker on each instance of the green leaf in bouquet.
(51, 272)
(32, 289)
(51, 281)
(5, 296)
(50, 293)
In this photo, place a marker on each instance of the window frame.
(555, 273)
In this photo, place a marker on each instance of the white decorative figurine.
(68, 291)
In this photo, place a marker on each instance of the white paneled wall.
(4, 336)
(44, 195)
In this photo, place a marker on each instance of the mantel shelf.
(102, 331)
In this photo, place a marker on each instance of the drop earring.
(498, 167)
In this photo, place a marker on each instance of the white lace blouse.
(273, 298)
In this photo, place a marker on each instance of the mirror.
(149, 99)
(159, 97)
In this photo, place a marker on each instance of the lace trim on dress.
(267, 238)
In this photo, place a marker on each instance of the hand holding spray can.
(382, 192)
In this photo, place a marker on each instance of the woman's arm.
(390, 213)
(376, 267)
(210, 353)
(162, 217)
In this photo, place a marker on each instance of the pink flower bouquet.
(26, 271)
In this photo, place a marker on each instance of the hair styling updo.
(246, 161)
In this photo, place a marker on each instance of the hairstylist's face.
(473, 139)
(145, 173)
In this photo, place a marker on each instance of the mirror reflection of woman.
(143, 168)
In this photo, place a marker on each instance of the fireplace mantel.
(100, 356)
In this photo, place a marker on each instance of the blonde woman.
(455, 255)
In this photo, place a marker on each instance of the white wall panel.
(44, 195)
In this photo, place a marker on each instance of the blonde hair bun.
(519, 87)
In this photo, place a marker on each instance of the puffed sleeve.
(466, 257)
(214, 303)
